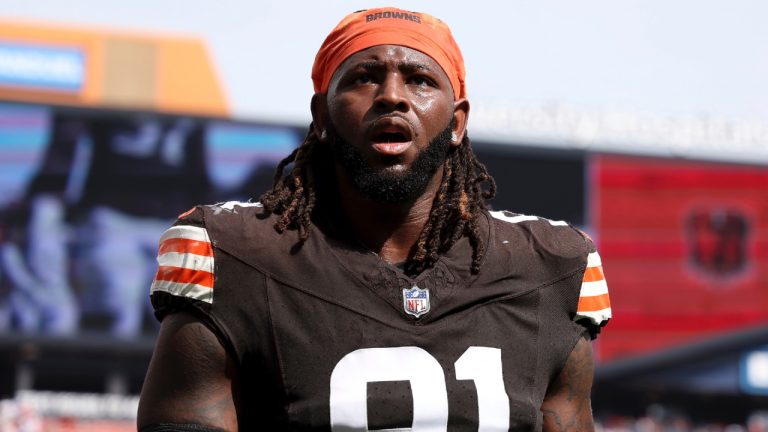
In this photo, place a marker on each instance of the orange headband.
(389, 26)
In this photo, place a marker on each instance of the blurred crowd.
(661, 419)
(15, 417)
(19, 417)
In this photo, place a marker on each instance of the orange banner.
(48, 64)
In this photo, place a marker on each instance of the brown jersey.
(327, 336)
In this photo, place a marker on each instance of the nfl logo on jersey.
(416, 301)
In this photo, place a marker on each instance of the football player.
(371, 288)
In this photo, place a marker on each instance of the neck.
(388, 229)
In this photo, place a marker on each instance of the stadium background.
(641, 122)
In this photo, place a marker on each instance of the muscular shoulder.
(190, 252)
(234, 215)
(550, 243)
(539, 252)
(236, 219)
(237, 228)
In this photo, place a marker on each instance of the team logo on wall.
(718, 241)
(416, 301)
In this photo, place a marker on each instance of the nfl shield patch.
(416, 301)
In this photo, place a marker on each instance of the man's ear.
(319, 109)
(460, 116)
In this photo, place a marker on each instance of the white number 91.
(350, 378)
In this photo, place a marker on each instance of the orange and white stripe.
(185, 263)
(594, 303)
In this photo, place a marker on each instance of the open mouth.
(391, 144)
(391, 138)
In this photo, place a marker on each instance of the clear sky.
(660, 57)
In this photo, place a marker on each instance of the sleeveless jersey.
(327, 336)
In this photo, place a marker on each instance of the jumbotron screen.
(684, 247)
(86, 194)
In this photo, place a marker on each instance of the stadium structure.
(96, 127)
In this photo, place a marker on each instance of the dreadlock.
(455, 211)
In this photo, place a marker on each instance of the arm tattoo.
(190, 379)
(567, 405)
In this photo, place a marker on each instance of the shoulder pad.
(548, 237)
(558, 241)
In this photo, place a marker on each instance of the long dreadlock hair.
(455, 209)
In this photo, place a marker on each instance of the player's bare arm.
(190, 379)
(567, 405)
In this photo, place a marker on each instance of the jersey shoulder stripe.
(185, 263)
(594, 301)
(594, 305)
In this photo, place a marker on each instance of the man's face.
(386, 185)
(390, 112)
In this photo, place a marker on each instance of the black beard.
(385, 186)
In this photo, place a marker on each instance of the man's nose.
(393, 94)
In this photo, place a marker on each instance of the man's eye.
(421, 81)
(363, 79)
